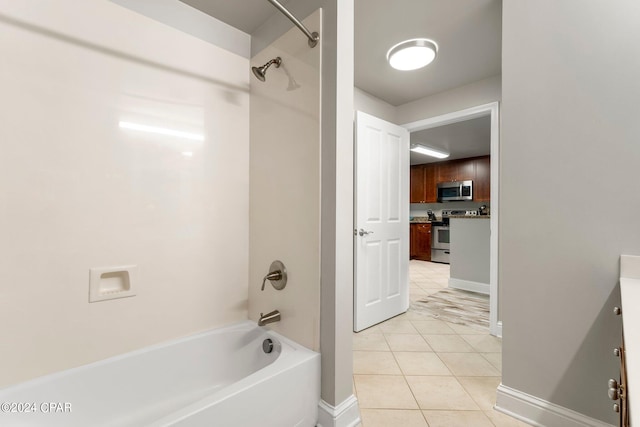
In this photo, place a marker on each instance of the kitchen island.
(470, 253)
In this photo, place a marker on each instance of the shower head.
(260, 71)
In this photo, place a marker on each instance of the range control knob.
(617, 311)
(616, 407)
(612, 384)
(616, 352)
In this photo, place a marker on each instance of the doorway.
(492, 111)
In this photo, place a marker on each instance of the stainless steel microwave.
(455, 191)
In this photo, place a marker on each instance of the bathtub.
(220, 377)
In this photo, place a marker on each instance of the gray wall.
(570, 142)
(470, 249)
(456, 99)
(367, 103)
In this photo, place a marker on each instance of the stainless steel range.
(440, 243)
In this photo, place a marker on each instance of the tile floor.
(416, 371)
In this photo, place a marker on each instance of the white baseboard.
(498, 330)
(345, 414)
(467, 285)
(540, 413)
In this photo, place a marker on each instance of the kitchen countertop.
(420, 220)
(425, 220)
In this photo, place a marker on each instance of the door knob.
(364, 233)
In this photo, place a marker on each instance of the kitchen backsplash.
(420, 209)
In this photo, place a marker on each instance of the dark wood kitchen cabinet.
(420, 242)
(456, 170)
(424, 178)
(417, 192)
(423, 184)
(482, 183)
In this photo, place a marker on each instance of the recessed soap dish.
(112, 282)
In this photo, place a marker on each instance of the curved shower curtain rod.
(313, 37)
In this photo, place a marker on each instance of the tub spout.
(271, 317)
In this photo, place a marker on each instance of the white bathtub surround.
(285, 184)
(630, 294)
(79, 192)
(220, 377)
(346, 414)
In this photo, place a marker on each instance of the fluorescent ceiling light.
(412, 54)
(429, 151)
(161, 131)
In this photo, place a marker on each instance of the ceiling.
(469, 138)
(245, 15)
(468, 34)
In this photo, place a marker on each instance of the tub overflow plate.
(267, 345)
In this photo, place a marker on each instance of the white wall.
(285, 185)
(367, 103)
(78, 192)
(471, 95)
(569, 115)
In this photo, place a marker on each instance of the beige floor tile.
(431, 285)
(418, 315)
(440, 393)
(495, 359)
(448, 343)
(432, 327)
(392, 418)
(394, 326)
(502, 420)
(415, 298)
(370, 342)
(484, 343)
(468, 330)
(427, 350)
(457, 419)
(423, 293)
(482, 390)
(420, 363)
(384, 392)
(407, 342)
(375, 362)
(375, 329)
(431, 291)
(468, 365)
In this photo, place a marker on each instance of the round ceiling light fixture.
(412, 54)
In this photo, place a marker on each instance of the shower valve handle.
(277, 276)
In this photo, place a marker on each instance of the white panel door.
(381, 221)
